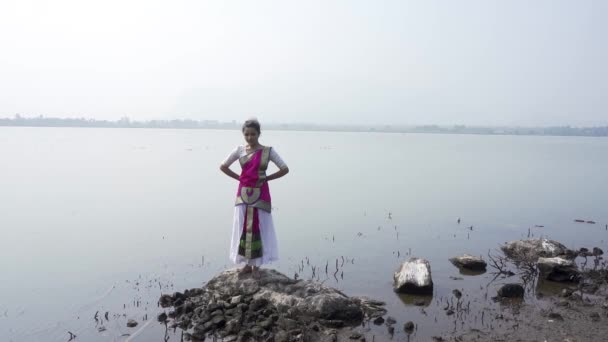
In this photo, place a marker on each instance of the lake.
(98, 221)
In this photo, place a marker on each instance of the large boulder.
(414, 276)
(558, 269)
(271, 304)
(469, 262)
(532, 249)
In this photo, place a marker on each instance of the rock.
(165, 301)
(232, 327)
(281, 336)
(457, 293)
(131, 323)
(511, 291)
(267, 307)
(597, 251)
(414, 276)
(333, 307)
(218, 321)
(532, 249)
(558, 269)
(236, 300)
(469, 262)
(267, 324)
(379, 321)
(355, 336)
(408, 327)
(390, 320)
(555, 316)
(258, 304)
(162, 317)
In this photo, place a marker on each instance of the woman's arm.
(282, 172)
(225, 169)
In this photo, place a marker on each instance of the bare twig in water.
(500, 264)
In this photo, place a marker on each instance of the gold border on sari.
(249, 232)
(263, 166)
(250, 195)
(259, 204)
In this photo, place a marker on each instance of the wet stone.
(165, 301)
(379, 321)
(131, 323)
(390, 320)
(511, 291)
(408, 327)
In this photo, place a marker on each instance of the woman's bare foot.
(246, 269)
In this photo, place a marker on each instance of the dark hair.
(252, 123)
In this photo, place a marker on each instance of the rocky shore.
(273, 307)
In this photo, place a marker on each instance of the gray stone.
(511, 291)
(469, 262)
(558, 269)
(532, 249)
(218, 321)
(379, 321)
(281, 336)
(408, 327)
(414, 276)
(235, 300)
(131, 323)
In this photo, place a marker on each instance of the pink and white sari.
(253, 236)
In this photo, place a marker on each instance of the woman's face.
(251, 136)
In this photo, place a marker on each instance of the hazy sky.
(366, 62)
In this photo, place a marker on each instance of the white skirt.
(270, 248)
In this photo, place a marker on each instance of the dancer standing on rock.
(254, 240)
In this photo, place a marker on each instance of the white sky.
(360, 62)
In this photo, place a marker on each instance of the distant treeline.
(125, 122)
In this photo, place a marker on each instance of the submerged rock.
(511, 291)
(558, 269)
(469, 262)
(131, 323)
(532, 249)
(414, 276)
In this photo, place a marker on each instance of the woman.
(254, 241)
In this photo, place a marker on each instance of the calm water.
(104, 220)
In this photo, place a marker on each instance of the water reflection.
(416, 300)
